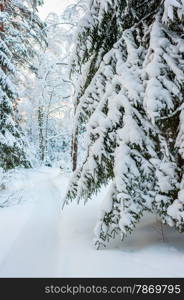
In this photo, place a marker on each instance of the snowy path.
(38, 240)
(34, 251)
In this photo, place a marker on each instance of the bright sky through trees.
(56, 6)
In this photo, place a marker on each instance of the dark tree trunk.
(74, 149)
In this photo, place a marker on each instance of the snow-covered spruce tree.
(99, 30)
(130, 103)
(16, 42)
(23, 31)
(163, 100)
(172, 44)
(12, 145)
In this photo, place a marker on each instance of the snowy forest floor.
(38, 239)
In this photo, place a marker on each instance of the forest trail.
(38, 239)
(34, 251)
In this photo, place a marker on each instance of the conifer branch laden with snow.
(129, 57)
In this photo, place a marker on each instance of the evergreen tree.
(19, 27)
(23, 31)
(130, 102)
(12, 145)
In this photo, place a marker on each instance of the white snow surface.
(39, 239)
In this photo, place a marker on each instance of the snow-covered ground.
(38, 239)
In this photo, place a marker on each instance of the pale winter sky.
(56, 6)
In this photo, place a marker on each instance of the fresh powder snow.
(39, 239)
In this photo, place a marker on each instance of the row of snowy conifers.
(21, 35)
(129, 94)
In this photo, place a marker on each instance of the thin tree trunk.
(74, 149)
(41, 133)
(2, 8)
(74, 144)
(47, 123)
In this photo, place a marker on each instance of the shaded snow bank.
(145, 253)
